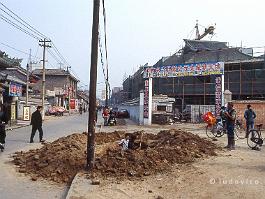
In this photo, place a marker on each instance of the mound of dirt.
(60, 160)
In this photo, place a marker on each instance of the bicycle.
(254, 137)
(218, 130)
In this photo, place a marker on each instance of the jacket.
(249, 115)
(36, 119)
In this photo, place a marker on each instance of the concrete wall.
(257, 106)
(134, 111)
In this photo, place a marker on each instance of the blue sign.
(15, 89)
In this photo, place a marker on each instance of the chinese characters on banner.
(218, 95)
(146, 98)
(13, 111)
(185, 70)
(15, 90)
(26, 113)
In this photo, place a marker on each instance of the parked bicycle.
(254, 137)
(218, 129)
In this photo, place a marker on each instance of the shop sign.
(26, 113)
(15, 89)
(72, 103)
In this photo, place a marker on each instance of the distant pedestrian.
(230, 125)
(3, 122)
(105, 115)
(250, 116)
(36, 122)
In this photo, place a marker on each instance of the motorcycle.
(112, 121)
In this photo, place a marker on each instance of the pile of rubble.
(60, 160)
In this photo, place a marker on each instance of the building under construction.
(244, 74)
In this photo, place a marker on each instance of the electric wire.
(32, 28)
(18, 27)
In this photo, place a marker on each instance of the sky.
(138, 31)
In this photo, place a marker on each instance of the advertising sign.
(185, 70)
(15, 89)
(218, 95)
(13, 111)
(72, 103)
(146, 98)
(26, 113)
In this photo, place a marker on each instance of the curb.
(79, 187)
(10, 128)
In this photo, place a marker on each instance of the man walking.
(36, 122)
(230, 125)
(250, 116)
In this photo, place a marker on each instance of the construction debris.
(60, 160)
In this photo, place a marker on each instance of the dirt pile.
(60, 160)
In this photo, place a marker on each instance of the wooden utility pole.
(92, 88)
(44, 44)
(27, 83)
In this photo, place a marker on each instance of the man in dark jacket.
(3, 122)
(36, 122)
(250, 116)
(230, 125)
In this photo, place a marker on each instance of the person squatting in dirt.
(36, 122)
(230, 125)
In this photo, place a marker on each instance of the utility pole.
(92, 88)
(27, 84)
(69, 89)
(43, 43)
(107, 87)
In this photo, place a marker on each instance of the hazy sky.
(138, 31)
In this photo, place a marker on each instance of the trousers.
(34, 129)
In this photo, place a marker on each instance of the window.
(161, 108)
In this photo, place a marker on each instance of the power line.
(18, 27)
(31, 28)
(53, 56)
(18, 50)
(33, 33)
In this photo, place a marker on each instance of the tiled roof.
(54, 72)
(51, 72)
(11, 78)
(200, 45)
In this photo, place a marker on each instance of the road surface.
(15, 185)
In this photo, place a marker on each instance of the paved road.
(15, 185)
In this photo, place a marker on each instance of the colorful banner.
(218, 95)
(15, 89)
(146, 98)
(185, 70)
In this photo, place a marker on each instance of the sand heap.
(60, 160)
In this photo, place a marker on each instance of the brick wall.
(257, 106)
(51, 82)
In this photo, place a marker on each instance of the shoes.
(42, 140)
(2, 147)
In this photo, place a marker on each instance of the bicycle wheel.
(240, 131)
(213, 131)
(253, 138)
